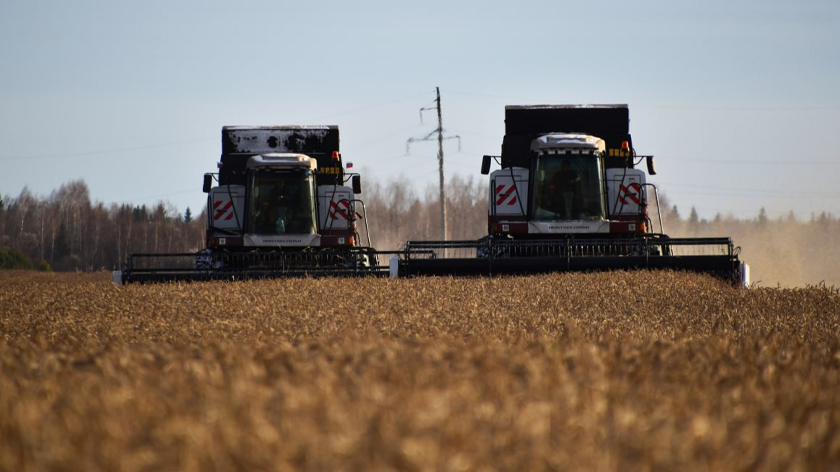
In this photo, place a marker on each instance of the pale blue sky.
(738, 100)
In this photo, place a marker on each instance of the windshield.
(282, 202)
(568, 187)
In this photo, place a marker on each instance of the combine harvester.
(281, 208)
(569, 197)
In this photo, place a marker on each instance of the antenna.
(440, 138)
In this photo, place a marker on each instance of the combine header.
(569, 197)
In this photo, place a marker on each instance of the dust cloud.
(784, 252)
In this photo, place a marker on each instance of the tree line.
(66, 231)
(790, 251)
(399, 213)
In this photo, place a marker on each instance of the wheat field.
(610, 371)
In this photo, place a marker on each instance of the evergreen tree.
(693, 217)
(140, 213)
(14, 259)
(188, 215)
(762, 217)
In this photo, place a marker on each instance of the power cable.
(740, 108)
(175, 143)
(107, 151)
(741, 161)
(758, 191)
(370, 107)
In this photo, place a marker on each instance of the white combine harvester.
(568, 197)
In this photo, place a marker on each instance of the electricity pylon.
(440, 138)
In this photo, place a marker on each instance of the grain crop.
(609, 371)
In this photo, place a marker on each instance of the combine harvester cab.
(281, 206)
(568, 197)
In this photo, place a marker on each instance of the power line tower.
(440, 139)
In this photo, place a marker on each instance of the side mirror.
(485, 165)
(357, 184)
(208, 183)
(651, 165)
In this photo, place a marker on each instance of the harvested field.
(619, 371)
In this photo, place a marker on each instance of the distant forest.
(66, 231)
